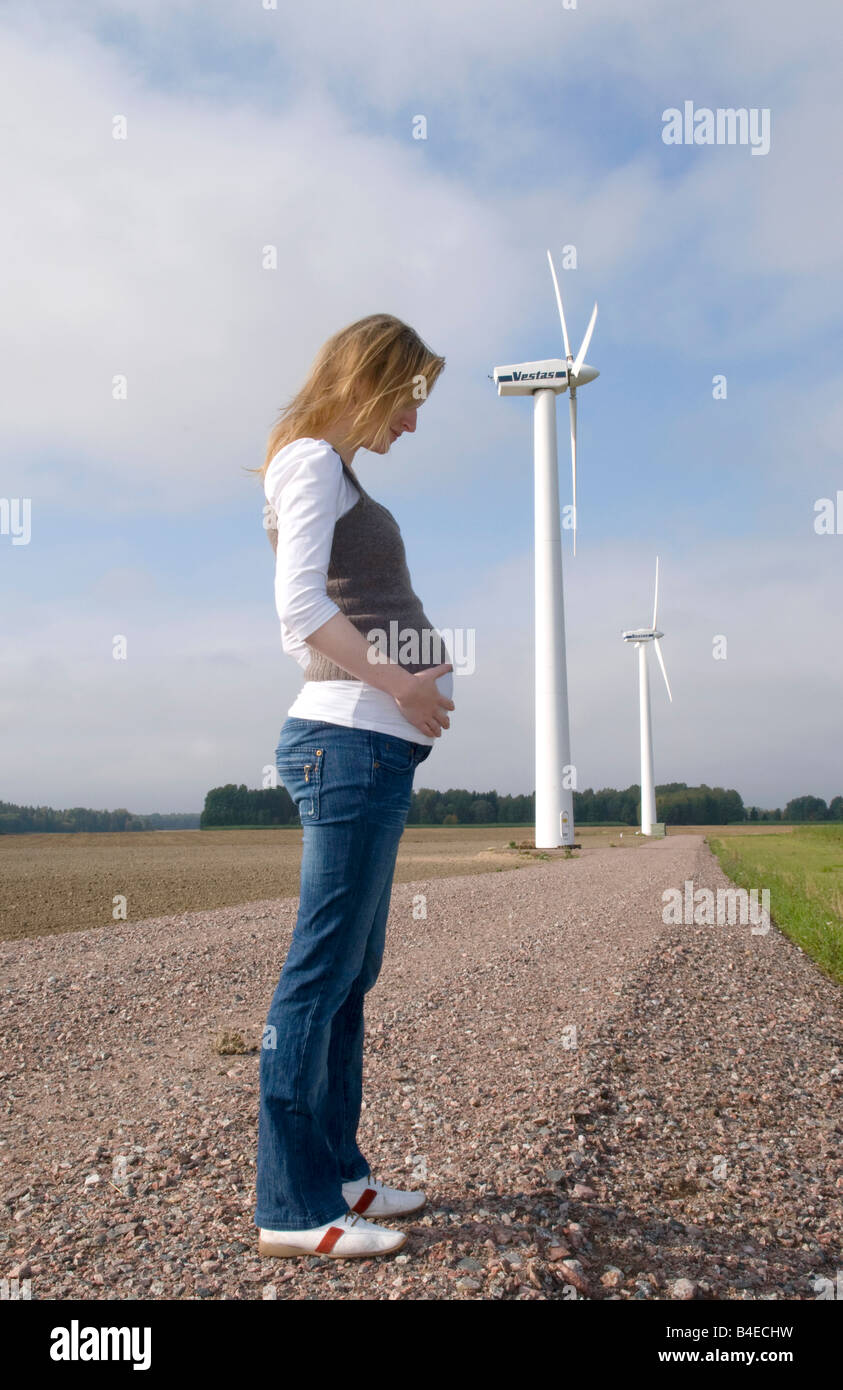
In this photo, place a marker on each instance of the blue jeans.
(352, 789)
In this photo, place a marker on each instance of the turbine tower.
(641, 638)
(544, 381)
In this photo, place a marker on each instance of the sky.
(253, 125)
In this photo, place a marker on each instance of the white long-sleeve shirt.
(309, 490)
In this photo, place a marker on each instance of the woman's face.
(403, 421)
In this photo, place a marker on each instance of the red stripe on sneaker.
(329, 1240)
(365, 1199)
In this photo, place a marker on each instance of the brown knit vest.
(370, 583)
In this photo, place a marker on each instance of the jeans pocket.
(300, 770)
(396, 754)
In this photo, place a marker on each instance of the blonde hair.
(371, 368)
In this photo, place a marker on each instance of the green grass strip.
(804, 873)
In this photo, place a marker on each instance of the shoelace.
(352, 1216)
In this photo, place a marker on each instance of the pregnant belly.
(445, 685)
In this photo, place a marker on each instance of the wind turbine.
(544, 381)
(641, 637)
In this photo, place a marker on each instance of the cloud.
(201, 697)
(250, 128)
(143, 259)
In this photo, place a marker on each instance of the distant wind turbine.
(641, 637)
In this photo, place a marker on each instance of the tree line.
(44, 820)
(676, 804)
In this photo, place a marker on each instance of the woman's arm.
(305, 490)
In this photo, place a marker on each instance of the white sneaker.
(348, 1237)
(373, 1197)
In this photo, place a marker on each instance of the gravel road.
(597, 1104)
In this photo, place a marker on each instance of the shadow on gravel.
(637, 1260)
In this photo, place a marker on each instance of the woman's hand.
(415, 693)
(423, 704)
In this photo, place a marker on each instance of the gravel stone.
(664, 1101)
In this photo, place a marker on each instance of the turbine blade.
(656, 597)
(573, 401)
(658, 646)
(585, 342)
(561, 310)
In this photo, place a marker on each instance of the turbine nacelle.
(551, 374)
(555, 374)
(639, 635)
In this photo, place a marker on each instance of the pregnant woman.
(376, 695)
